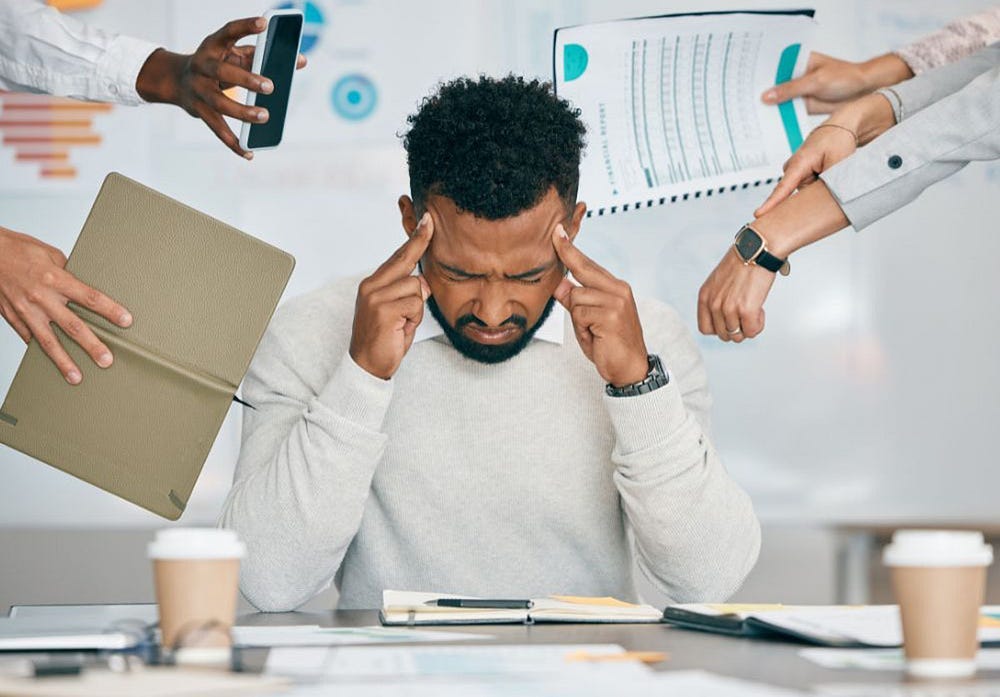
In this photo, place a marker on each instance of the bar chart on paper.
(672, 103)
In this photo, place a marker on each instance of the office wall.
(874, 377)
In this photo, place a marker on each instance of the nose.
(492, 305)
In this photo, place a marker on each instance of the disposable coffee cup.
(939, 578)
(196, 574)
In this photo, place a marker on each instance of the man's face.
(492, 280)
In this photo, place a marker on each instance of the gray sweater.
(521, 479)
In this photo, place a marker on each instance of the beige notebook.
(201, 294)
(412, 608)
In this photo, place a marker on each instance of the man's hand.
(196, 82)
(390, 306)
(731, 302)
(829, 82)
(604, 315)
(34, 290)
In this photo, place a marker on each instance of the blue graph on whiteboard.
(354, 97)
(314, 21)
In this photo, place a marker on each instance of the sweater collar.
(550, 331)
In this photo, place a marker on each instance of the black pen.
(482, 603)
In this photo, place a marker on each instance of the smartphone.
(274, 58)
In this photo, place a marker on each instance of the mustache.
(518, 321)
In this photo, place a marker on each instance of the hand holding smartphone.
(274, 57)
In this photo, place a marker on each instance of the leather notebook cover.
(201, 294)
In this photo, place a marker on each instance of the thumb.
(802, 86)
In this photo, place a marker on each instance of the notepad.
(201, 294)
(672, 103)
(54, 633)
(410, 608)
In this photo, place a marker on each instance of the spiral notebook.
(672, 103)
(202, 294)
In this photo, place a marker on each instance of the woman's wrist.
(867, 118)
(800, 220)
(882, 71)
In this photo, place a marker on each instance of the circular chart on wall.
(312, 28)
(354, 97)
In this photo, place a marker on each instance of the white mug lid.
(937, 548)
(196, 543)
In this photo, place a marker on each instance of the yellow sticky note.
(584, 600)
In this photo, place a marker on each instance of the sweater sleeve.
(695, 531)
(955, 41)
(303, 474)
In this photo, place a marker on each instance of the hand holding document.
(672, 103)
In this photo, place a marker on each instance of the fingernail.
(73, 377)
(424, 290)
(260, 23)
(561, 231)
(770, 96)
(262, 115)
(248, 155)
(125, 320)
(424, 220)
(266, 86)
(104, 360)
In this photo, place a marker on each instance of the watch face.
(748, 243)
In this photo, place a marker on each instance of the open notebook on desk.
(410, 608)
(823, 625)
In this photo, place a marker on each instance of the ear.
(408, 212)
(572, 225)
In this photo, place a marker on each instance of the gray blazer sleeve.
(930, 144)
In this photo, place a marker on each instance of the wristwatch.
(656, 378)
(751, 247)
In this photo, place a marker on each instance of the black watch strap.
(768, 261)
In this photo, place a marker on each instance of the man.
(43, 50)
(515, 439)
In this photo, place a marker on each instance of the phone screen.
(278, 64)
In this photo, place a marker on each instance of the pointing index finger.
(584, 269)
(405, 259)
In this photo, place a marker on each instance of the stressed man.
(471, 419)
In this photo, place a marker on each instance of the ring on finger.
(733, 332)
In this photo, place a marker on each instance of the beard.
(488, 353)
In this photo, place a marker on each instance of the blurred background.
(868, 403)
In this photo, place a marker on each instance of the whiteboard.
(872, 394)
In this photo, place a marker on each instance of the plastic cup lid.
(196, 543)
(937, 548)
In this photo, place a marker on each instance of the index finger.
(94, 300)
(584, 269)
(405, 259)
(231, 32)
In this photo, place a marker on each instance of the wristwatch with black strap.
(656, 378)
(751, 247)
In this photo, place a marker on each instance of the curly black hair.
(494, 146)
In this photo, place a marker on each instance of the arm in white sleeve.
(952, 43)
(303, 475)
(927, 147)
(695, 531)
(42, 50)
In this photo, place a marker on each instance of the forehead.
(474, 244)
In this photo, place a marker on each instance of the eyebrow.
(514, 277)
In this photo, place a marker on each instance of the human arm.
(312, 443)
(43, 50)
(696, 535)
(885, 175)
(34, 291)
(831, 82)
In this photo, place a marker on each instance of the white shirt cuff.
(118, 70)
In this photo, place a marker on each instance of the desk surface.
(774, 662)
